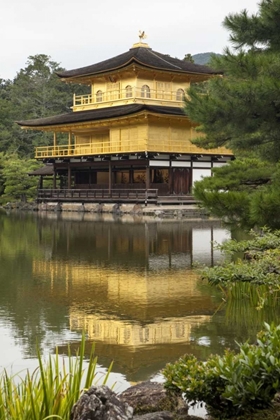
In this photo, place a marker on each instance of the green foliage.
(264, 270)
(232, 384)
(188, 57)
(245, 190)
(259, 241)
(232, 203)
(256, 30)
(241, 111)
(35, 92)
(255, 261)
(242, 300)
(17, 185)
(50, 391)
(264, 208)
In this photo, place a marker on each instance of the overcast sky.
(77, 33)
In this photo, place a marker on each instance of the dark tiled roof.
(45, 170)
(143, 56)
(100, 114)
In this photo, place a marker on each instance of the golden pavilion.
(129, 139)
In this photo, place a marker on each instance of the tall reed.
(51, 390)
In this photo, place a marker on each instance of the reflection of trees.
(239, 319)
(24, 301)
(52, 269)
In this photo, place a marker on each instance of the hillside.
(203, 58)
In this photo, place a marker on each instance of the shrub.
(50, 391)
(255, 261)
(232, 384)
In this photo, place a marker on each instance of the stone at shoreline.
(100, 403)
(165, 415)
(148, 397)
(159, 415)
(147, 401)
(172, 212)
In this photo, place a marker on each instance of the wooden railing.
(125, 146)
(98, 195)
(93, 148)
(123, 94)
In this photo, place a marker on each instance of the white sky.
(77, 33)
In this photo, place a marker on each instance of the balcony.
(133, 95)
(99, 195)
(124, 147)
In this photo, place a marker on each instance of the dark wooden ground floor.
(102, 195)
(120, 175)
(164, 179)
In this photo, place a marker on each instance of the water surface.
(130, 283)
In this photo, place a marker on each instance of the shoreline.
(167, 211)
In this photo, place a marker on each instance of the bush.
(259, 265)
(232, 384)
(51, 390)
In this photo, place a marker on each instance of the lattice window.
(145, 91)
(128, 91)
(99, 96)
(180, 94)
(113, 90)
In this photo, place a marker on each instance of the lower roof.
(101, 114)
(44, 170)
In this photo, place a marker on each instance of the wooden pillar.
(54, 178)
(54, 144)
(114, 176)
(110, 177)
(170, 178)
(69, 142)
(131, 175)
(147, 177)
(69, 177)
(147, 183)
(191, 181)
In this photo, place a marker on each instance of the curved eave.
(138, 64)
(94, 116)
(165, 63)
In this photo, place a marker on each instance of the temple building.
(129, 138)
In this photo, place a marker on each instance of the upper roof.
(101, 114)
(142, 55)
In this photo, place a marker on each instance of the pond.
(130, 283)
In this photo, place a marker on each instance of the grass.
(51, 390)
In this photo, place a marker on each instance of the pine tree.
(35, 92)
(241, 109)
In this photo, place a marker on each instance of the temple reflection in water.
(131, 286)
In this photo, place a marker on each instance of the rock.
(53, 206)
(159, 415)
(109, 208)
(159, 213)
(100, 403)
(165, 415)
(126, 208)
(93, 207)
(148, 397)
(72, 207)
(137, 209)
